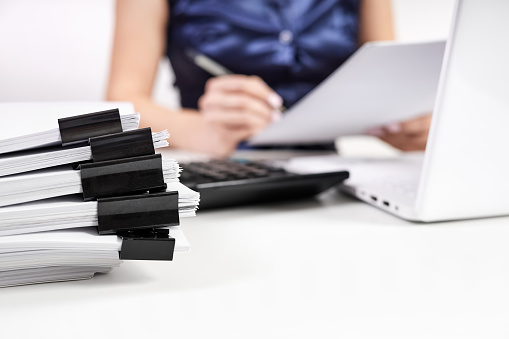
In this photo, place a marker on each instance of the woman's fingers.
(417, 125)
(249, 85)
(236, 104)
(240, 102)
(233, 120)
(407, 142)
(410, 135)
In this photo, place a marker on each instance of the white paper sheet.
(13, 163)
(57, 181)
(31, 125)
(72, 212)
(381, 83)
(64, 255)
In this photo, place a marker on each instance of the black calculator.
(224, 183)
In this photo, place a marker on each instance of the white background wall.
(60, 49)
(416, 20)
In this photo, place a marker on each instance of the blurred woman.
(279, 50)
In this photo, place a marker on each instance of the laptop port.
(386, 203)
(374, 198)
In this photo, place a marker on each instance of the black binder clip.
(80, 128)
(149, 244)
(137, 212)
(122, 145)
(124, 176)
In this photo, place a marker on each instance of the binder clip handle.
(123, 176)
(80, 128)
(122, 145)
(150, 244)
(137, 212)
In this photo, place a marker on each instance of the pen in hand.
(212, 67)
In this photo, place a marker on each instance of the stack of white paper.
(56, 182)
(63, 255)
(72, 212)
(36, 159)
(48, 234)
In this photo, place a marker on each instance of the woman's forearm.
(376, 21)
(140, 37)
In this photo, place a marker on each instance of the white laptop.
(464, 172)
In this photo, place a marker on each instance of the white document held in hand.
(381, 83)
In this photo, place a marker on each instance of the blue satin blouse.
(291, 44)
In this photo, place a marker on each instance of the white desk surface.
(320, 268)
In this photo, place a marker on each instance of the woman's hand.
(410, 135)
(242, 104)
(232, 109)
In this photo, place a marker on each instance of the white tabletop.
(317, 268)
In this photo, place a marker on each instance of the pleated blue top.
(291, 44)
